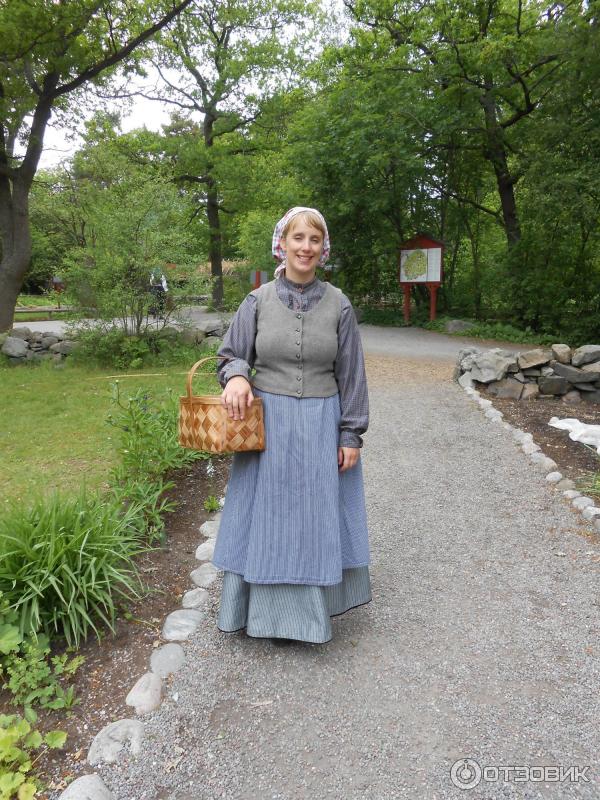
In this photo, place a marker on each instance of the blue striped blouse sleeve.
(352, 379)
(238, 343)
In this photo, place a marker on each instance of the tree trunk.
(495, 152)
(215, 252)
(15, 228)
(16, 248)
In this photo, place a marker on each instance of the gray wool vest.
(296, 350)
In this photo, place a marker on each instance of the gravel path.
(481, 641)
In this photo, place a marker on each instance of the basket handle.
(195, 367)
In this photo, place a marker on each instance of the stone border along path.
(112, 743)
(541, 462)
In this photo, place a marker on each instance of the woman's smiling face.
(303, 245)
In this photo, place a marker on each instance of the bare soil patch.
(113, 665)
(574, 460)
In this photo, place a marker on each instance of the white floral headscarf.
(277, 249)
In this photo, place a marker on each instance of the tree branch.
(118, 56)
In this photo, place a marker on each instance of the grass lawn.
(53, 431)
(31, 316)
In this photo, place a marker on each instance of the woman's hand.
(236, 395)
(347, 457)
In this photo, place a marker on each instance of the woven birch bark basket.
(205, 425)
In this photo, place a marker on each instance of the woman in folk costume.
(293, 539)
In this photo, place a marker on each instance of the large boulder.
(457, 325)
(21, 333)
(15, 347)
(554, 385)
(534, 358)
(507, 387)
(593, 368)
(490, 366)
(64, 347)
(586, 355)
(573, 374)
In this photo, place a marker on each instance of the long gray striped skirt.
(293, 539)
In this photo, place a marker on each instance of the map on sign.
(420, 265)
(415, 264)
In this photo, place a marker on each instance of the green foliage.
(494, 330)
(211, 503)
(113, 347)
(18, 741)
(148, 448)
(65, 558)
(33, 677)
(135, 222)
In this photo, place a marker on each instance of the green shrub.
(32, 677)
(116, 349)
(65, 559)
(494, 330)
(148, 447)
(18, 740)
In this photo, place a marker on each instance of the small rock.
(554, 477)
(109, 743)
(597, 524)
(146, 695)
(591, 397)
(493, 414)
(466, 381)
(87, 787)
(210, 528)
(180, 624)
(573, 397)
(530, 391)
(530, 447)
(565, 484)
(561, 353)
(585, 387)
(204, 575)
(570, 494)
(582, 502)
(167, 659)
(589, 512)
(205, 551)
(195, 598)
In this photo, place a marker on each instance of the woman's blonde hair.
(309, 218)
